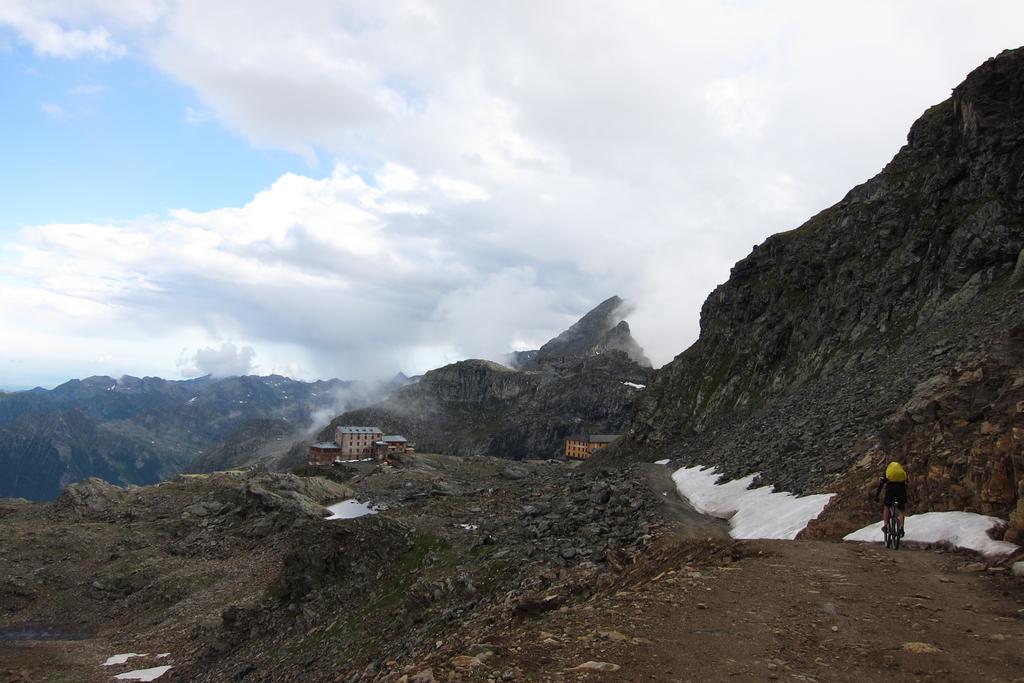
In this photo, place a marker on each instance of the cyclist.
(895, 483)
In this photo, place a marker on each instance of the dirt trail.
(686, 521)
(793, 610)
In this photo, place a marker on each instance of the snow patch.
(662, 462)
(163, 654)
(635, 385)
(752, 513)
(144, 674)
(121, 659)
(349, 509)
(468, 527)
(960, 529)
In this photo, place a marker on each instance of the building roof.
(593, 438)
(395, 438)
(359, 430)
(325, 444)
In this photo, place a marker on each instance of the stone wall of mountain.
(822, 333)
(581, 385)
(960, 435)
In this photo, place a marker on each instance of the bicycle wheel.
(894, 528)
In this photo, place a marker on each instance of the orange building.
(582, 447)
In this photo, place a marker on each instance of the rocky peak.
(602, 329)
(989, 100)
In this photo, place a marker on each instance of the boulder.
(90, 498)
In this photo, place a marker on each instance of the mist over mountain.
(135, 430)
(585, 380)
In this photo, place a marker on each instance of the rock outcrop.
(582, 381)
(809, 355)
(960, 435)
(90, 498)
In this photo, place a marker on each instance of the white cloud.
(739, 106)
(358, 275)
(491, 316)
(504, 167)
(459, 190)
(227, 361)
(35, 24)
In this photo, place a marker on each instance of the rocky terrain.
(241, 567)
(474, 569)
(139, 431)
(266, 441)
(812, 353)
(583, 381)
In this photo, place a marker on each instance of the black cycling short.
(896, 492)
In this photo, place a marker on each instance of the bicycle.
(891, 531)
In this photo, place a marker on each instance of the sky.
(352, 189)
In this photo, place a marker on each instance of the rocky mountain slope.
(264, 441)
(961, 435)
(811, 350)
(582, 381)
(138, 431)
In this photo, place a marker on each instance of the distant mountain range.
(141, 430)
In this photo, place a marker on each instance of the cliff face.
(960, 435)
(577, 383)
(822, 333)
